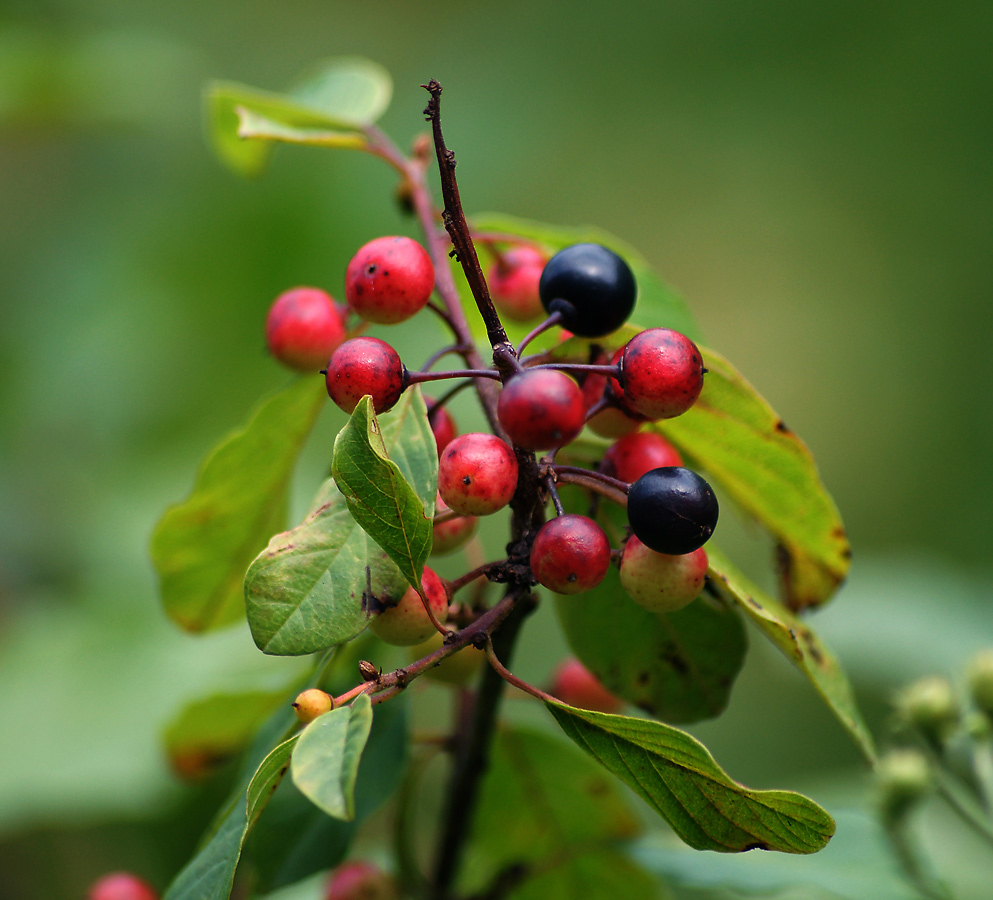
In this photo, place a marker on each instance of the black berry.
(672, 510)
(591, 286)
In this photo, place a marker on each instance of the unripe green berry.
(904, 777)
(930, 706)
(980, 679)
(312, 703)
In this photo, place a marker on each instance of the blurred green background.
(815, 179)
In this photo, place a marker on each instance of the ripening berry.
(312, 703)
(660, 582)
(591, 286)
(661, 373)
(365, 365)
(406, 622)
(541, 409)
(360, 880)
(453, 533)
(442, 424)
(635, 454)
(303, 328)
(613, 421)
(121, 886)
(389, 280)
(574, 684)
(513, 282)
(477, 474)
(672, 510)
(570, 554)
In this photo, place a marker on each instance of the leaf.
(679, 667)
(210, 874)
(379, 498)
(656, 301)
(679, 778)
(326, 760)
(348, 93)
(254, 125)
(202, 546)
(733, 434)
(305, 592)
(798, 642)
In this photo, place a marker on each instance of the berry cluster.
(543, 405)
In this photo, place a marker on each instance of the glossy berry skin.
(312, 703)
(452, 534)
(635, 454)
(406, 623)
(574, 684)
(303, 328)
(591, 286)
(672, 510)
(541, 409)
(360, 880)
(660, 582)
(365, 365)
(477, 474)
(662, 373)
(389, 280)
(442, 424)
(121, 886)
(570, 554)
(513, 282)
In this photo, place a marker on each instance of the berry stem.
(418, 377)
(434, 357)
(472, 575)
(610, 371)
(550, 322)
(554, 494)
(611, 488)
(510, 678)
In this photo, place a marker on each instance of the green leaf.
(202, 546)
(210, 874)
(326, 760)
(678, 777)
(733, 434)
(306, 591)
(656, 301)
(798, 642)
(378, 496)
(598, 874)
(254, 125)
(679, 667)
(344, 94)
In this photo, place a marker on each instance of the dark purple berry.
(672, 510)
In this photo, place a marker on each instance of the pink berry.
(513, 282)
(451, 534)
(662, 373)
(659, 582)
(360, 880)
(389, 280)
(477, 474)
(365, 365)
(574, 684)
(303, 328)
(635, 454)
(541, 409)
(442, 424)
(406, 622)
(570, 554)
(121, 886)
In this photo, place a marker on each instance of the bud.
(929, 705)
(311, 704)
(903, 778)
(980, 678)
(367, 670)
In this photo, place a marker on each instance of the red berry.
(513, 282)
(389, 280)
(541, 409)
(360, 880)
(477, 474)
(365, 365)
(442, 424)
(574, 684)
(451, 534)
(659, 582)
(662, 373)
(570, 554)
(406, 622)
(303, 328)
(634, 455)
(121, 886)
